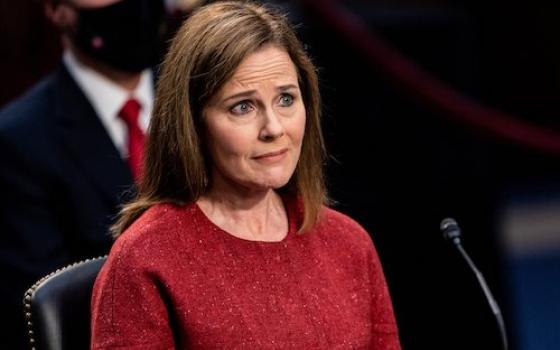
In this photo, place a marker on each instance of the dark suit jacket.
(61, 181)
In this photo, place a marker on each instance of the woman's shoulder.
(161, 227)
(335, 225)
(340, 221)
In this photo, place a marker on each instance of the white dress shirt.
(107, 98)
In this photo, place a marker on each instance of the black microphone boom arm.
(451, 232)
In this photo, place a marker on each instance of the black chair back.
(57, 307)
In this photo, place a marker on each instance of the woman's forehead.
(267, 65)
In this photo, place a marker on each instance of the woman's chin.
(266, 185)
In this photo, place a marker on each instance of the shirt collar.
(107, 97)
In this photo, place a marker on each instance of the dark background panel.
(401, 166)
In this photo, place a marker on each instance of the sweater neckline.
(291, 212)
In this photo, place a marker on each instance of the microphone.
(451, 232)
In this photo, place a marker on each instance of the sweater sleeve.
(128, 309)
(384, 327)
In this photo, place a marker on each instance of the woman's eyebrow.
(287, 87)
(250, 93)
(247, 93)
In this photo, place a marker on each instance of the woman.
(229, 244)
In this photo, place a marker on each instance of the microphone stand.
(451, 232)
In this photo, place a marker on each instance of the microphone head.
(450, 230)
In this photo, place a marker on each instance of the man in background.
(71, 148)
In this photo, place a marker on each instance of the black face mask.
(128, 35)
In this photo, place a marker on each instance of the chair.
(57, 307)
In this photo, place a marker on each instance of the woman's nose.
(272, 127)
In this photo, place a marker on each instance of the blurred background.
(432, 109)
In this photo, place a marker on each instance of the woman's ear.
(63, 16)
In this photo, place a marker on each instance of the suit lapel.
(84, 137)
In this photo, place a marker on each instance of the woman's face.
(255, 123)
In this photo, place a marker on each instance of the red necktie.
(129, 114)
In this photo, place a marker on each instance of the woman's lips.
(271, 157)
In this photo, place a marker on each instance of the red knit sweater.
(176, 280)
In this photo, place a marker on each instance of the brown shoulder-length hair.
(204, 54)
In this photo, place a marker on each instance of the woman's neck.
(255, 216)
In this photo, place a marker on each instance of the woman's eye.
(241, 108)
(286, 100)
